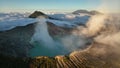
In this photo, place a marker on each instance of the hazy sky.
(55, 5)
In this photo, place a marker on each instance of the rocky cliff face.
(15, 42)
(56, 30)
(87, 58)
(91, 57)
(14, 45)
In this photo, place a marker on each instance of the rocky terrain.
(14, 46)
(52, 28)
(87, 58)
(16, 42)
(93, 12)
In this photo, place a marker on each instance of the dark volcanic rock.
(56, 30)
(37, 13)
(12, 62)
(80, 11)
(15, 42)
(94, 12)
(92, 57)
(86, 12)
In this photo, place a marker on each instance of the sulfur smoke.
(103, 29)
(110, 35)
(94, 25)
(74, 42)
(46, 46)
(41, 34)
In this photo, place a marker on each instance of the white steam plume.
(94, 25)
(73, 42)
(111, 39)
(105, 30)
(41, 34)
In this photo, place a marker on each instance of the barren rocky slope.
(12, 55)
(88, 58)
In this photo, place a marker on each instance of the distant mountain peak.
(37, 13)
(93, 12)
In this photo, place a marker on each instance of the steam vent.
(95, 54)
